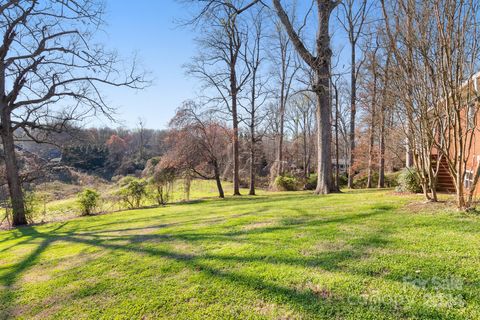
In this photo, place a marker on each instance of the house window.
(468, 181)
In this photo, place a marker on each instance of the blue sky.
(148, 28)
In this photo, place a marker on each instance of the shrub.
(391, 179)
(286, 183)
(311, 183)
(32, 203)
(360, 180)
(408, 181)
(88, 200)
(343, 180)
(133, 191)
(162, 183)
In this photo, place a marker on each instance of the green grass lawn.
(357, 255)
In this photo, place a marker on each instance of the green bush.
(343, 180)
(287, 183)
(408, 181)
(133, 191)
(88, 200)
(311, 183)
(162, 184)
(32, 203)
(391, 179)
(360, 180)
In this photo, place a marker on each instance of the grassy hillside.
(58, 201)
(357, 255)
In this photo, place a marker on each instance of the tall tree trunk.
(337, 114)
(234, 95)
(221, 194)
(251, 192)
(281, 137)
(381, 169)
(252, 152)
(324, 127)
(355, 15)
(371, 145)
(353, 114)
(372, 124)
(11, 166)
(278, 168)
(320, 65)
(234, 49)
(305, 147)
(236, 149)
(324, 107)
(296, 151)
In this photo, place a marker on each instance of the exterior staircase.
(444, 179)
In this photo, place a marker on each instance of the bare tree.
(221, 62)
(141, 134)
(337, 130)
(341, 114)
(50, 74)
(302, 115)
(198, 143)
(285, 68)
(258, 92)
(436, 53)
(320, 64)
(371, 87)
(385, 100)
(353, 21)
(416, 94)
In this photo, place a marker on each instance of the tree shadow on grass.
(219, 216)
(303, 300)
(304, 220)
(258, 199)
(193, 235)
(9, 279)
(308, 301)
